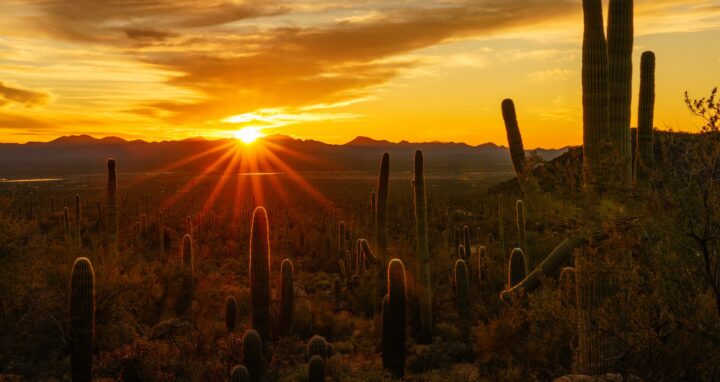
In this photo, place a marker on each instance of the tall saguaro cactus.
(381, 204)
(78, 219)
(596, 94)
(517, 151)
(82, 319)
(620, 46)
(112, 208)
(462, 297)
(424, 289)
(646, 111)
(394, 320)
(260, 272)
(287, 296)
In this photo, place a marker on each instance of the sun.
(248, 135)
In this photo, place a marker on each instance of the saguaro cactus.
(619, 47)
(252, 347)
(112, 211)
(230, 313)
(161, 233)
(596, 94)
(66, 223)
(517, 270)
(82, 319)
(466, 242)
(382, 208)
(239, 373)
(646, 110)
(260, 272)
(317, 346)
(78, 220)
(394, 320)
(341, 244)
(462, 297)
(187, 275)
(316, 369)
(188, 254)
(517, 151)
(287, 296)
(522, 238)
(424, 289)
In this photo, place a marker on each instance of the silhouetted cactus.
(619, 47)
(395, 321)
(260, 273)
(82, 319)
(462, 297)
(317, 345)
(252, 347)
(341, 244)
(424, 288)
(552, 263)
(188, 254)
(112, 208)
(517, 269)
(596, 95)
(482, 252)
(381, 244)
(230, 313)
(66, 223)
(239, 373)
(466, 242)
(143, 222)
(337, 294)
(517, 151)
(645, 156)
(522, 238)
(316, 369)
(287, 296)
(161, 233)
(78, 220)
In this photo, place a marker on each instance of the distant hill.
(85, 154)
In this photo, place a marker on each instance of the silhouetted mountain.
(85, 154)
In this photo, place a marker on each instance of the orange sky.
(327, 70)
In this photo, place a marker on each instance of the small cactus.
(394, 320)
(341, 244)
(187, 275)
(82, 319)
(161, 233)
(252, 347)
(287, 295)
(317, 346)
(230, 313)
(316, 369)
(517, 269)
(239, 373)
(188, 254)
(260, 272)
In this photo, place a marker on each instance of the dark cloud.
(148, 34)
(29, 98)
(12, 121)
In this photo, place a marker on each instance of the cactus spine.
(316, 369)
(287, 295)
(82, 319)
(78, 219)
(424, 289)
(646, 109)
(619, 47)
(112, 208)
(462, 298)
(230, 313)
(394, 320)
(252, 347)
(239, 373)
(260, 272)
(517, 269)
(522, 238)
(596, 94)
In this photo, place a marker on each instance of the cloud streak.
(28, 98)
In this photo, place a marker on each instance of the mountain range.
(85, 154)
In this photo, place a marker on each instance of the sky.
(430, 70)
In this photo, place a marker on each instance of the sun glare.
(248, 135)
